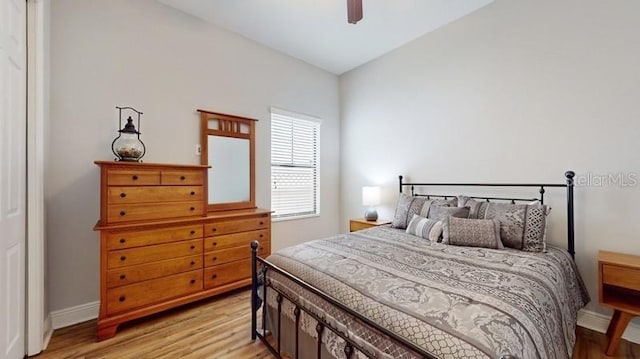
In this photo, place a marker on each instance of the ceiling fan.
(354, 11)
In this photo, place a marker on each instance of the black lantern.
(128, 146)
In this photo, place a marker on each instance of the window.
(295, 165)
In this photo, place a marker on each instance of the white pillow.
(425, 228)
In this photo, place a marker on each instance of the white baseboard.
(74, 315)
(599, 322)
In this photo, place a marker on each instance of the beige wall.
(166, 64)
(516, 91)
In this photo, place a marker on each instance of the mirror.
(228, 148)
(229, 158)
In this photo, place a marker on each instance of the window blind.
(295, 152)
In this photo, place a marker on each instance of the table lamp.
(371, 198)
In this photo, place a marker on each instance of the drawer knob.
(193, 281)
(122, 213)
(122, 298)
(193, 193)
(134, 177)
(213, 229)
(123, 258)
(215, 244)
(193, 247)
(214, 276)
(193, 262)
(262, 235)
(261, 223)
(193, 208)
(123, 276)
(192, 232)
(122, 240)
(215, 258)
(123, 195)
(182, 178)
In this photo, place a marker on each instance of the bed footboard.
(259, 287)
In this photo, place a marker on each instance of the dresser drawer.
(235, 240)
(232, 254)
(132, 177)
(227, 273)
(182, 177)
(152, 291)
(621, 276)
(117, 213)
(249, 224)
(139, 273)
(128, 257)
(264, 250)
(128, 239)
(123, 195)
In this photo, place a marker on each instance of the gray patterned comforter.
(454, 302)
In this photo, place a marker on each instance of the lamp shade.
(370, 196)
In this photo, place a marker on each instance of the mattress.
(452, 302)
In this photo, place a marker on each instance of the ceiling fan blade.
(354, 11)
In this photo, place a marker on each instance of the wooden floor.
(219, 328)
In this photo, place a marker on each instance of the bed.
(384, 293)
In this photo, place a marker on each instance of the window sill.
(284, 219)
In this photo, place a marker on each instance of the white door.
(13, 75)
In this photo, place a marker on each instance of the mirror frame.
(228, 126)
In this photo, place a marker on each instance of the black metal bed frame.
(260, 280)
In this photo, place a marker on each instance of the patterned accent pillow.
(463, 200)
(425, 228)
(409, 205)
(483, 233)
(522, 226)
(441, 213)
(405, 209)
(474, 208)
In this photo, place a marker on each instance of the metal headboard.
(569, 175)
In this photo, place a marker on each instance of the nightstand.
(357, 224)
(619, 289)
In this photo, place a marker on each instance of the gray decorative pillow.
(437, 203)
(409, 205)
(441, 213)
(449, 202)
(522, 226)
(405, 209)
(483, 233)
(425, 228)
(474, 208)
(463, 200)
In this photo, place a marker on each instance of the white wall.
(166, 64)
(517, 91)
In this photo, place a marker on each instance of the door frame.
(37, 322)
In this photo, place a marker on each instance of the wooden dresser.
(160, 248)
